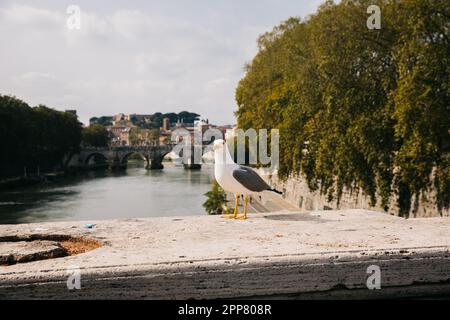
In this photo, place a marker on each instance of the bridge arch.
(124, 158)
(153, 156)
(95, 155)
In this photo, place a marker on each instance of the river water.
(134, 193)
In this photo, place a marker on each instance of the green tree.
(173, 117)
(188, 117)
(216, 201)
(135, 136)
(35, 137)
(421, 99)
(104, 121)
(157, 120)
(357, 108)
(96, 136)
(153, 136)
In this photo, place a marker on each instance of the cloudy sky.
(135, 56)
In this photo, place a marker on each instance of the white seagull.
(236, 179)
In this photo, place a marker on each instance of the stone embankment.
(317, 254)
(296, 191)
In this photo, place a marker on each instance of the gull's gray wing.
(250, 179)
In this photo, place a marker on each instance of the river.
(134, 193)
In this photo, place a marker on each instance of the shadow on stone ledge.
(297, 217)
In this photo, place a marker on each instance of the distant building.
(127, 129)
(119, 119)
(120, 135)
(166, 124)
(165, 137)
(229, 132)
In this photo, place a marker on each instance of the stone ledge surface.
(282, 254)
(23, 251)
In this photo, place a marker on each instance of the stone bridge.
(117, 157)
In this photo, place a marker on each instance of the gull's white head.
(221, 153)
(218, 145)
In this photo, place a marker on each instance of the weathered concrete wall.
(289, 255)
(297, 192)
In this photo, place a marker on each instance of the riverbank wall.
(19, 182)
(296, 191)
(356, 254)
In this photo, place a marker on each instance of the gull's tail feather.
(276, 191)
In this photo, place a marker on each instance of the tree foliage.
(104, 121)
(156, 121)
(216, 201)
(96, 135)
(357, 108)
(183, 116)
(35, 137)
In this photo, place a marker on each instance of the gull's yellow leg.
(244, 217)
(236, 208)
(236, 205)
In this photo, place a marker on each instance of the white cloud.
(25, 15)
(146, 57)
(34, 77)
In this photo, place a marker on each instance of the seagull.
(236, 179)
